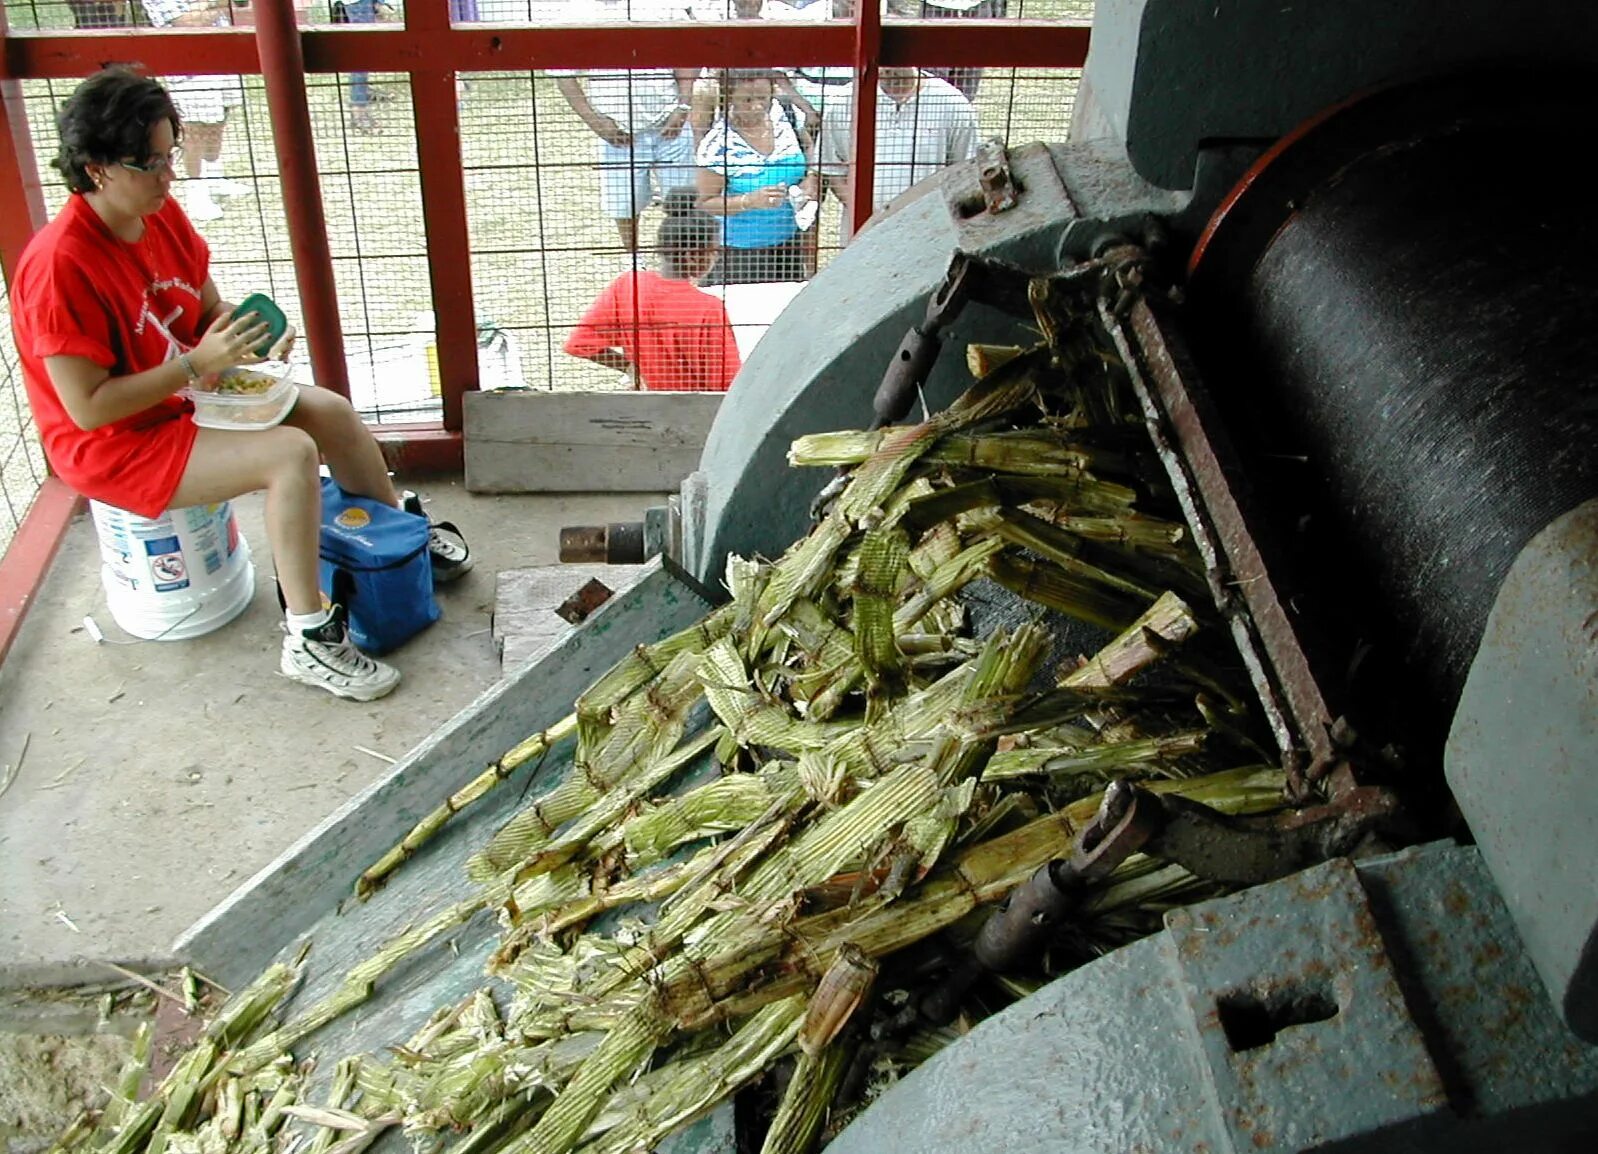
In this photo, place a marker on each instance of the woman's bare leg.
(346, 444)
(283, 461)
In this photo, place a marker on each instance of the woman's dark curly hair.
(108, 118)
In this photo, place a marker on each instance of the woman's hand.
(285, 345)
(229, 341)
(772, 196)
(613, 134)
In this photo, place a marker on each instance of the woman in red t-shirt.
(115, 313)
(659, 327)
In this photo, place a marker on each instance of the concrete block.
(525, 622)
(533, 442)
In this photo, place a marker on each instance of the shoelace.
(344, 657)
(437, 542)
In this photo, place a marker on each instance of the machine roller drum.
(1408, 291)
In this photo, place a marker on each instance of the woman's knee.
(327, 417)
(294, 456)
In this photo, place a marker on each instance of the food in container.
(256, 397)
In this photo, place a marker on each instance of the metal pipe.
(619, 543)
(277, 37)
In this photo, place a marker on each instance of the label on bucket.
(167, 569)
(178, 575)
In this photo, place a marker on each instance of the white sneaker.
(451, 557)
(326, 658)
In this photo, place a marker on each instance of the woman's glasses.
(168, 162)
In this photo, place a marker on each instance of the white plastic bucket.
(182, 574)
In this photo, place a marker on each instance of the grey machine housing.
(1454, 984)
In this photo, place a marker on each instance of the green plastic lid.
(267, 309)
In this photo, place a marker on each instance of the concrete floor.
(158, 776)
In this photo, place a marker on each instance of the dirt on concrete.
(47, 1080)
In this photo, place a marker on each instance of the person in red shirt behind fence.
(660, 328)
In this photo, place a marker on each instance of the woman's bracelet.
(188, 368)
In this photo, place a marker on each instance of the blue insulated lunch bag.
(374, 562)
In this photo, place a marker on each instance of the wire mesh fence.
(573, 286)
(22, 467)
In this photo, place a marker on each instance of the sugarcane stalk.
(649, 725)
(703, 1082)
(498, 770)
(981, 359)
(1028, 452)
(125, 1093)
(272, 1115)
(1033, 533)
(725, 805)
(228, 1114)
(835, 449)
(1053, 588)
(953, 574)
(1103, 760)
(610, 807)
(646, 662)
(802, 1113)
(340, 1088)
(1164, 625)
(752, 717)
(355, 989)
(136, 1128)
(623, 1050)
(883, 556)
(1078, 495)
(1134, 531)
(800, 572)
(180, 1093)
(76, 1136)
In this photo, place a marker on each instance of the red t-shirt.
(678, 336)
(80, 291)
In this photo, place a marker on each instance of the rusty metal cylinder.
(1398, 318)
(618, 543)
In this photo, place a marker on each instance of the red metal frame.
(283, 71)
(27, 559)
(432, 51)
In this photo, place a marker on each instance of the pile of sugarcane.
(883, 769)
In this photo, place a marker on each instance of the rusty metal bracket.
(999, 192)
(1199, 461)
(1023, 924)
(576, 608)
(1237, 850)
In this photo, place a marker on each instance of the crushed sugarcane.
(836, 766)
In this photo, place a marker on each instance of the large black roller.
(1404, 321)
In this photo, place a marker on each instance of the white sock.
(301, 622)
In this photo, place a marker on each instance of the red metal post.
(867, 58)
(277, 38)
(21, 200)
(438, 151)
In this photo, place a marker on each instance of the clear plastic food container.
(253, 397)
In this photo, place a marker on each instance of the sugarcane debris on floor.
(879, 764)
